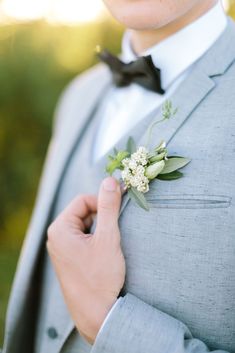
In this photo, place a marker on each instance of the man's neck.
(142, 40)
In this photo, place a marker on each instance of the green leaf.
(174, 163)
(122, 155)
(139, 198)
(111, 158)
(167, 110)
(131, 146)
(157, 157)
(170, 176)
(116, 162)
(112, 166)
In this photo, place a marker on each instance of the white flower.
(126, 176)
(143, 188)
(142, 150)
(134, 181)
(140, 182)
(134, 170)
(140, 170)
(140, 156)
(133, 165)
(125, 162)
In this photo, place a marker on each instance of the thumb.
(109, 201)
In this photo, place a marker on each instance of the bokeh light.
(68, 12)
(226, 4)
(56, 11)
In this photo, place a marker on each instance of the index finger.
(81, 207)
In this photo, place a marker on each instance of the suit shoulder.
(87, 78)
(76, 91)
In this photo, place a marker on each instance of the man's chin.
(140, 22)
(140, 15)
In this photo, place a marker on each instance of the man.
(161, 281)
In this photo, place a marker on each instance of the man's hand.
(90, 268)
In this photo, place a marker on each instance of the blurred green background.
(37, 60)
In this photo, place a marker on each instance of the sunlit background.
(70, 12)
(43, 45)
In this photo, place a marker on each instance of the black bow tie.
(142, 71)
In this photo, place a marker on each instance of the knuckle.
(80, 197)
(48, 246)
(52, 230)
(57, 228)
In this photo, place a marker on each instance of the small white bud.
(161, 146)
(153, 170)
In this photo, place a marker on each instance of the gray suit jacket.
(179, 293)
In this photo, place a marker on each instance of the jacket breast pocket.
(189, 201)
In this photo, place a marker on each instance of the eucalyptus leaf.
(139, 198)
(131, 146)
(174, 163)
(170, 176)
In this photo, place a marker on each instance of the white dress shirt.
(175, 57)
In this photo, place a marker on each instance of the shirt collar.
(177, 53)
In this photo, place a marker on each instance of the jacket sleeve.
(136, 327)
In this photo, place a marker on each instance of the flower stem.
(167, 113)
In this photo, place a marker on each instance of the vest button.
(52, 333)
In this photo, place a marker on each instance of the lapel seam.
(192, 111)
(211, 86)
(224, 71)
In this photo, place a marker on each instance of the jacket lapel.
(187, 97)
(198, 84)
(193, 90)
(60, 150)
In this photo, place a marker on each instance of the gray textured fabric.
(179, 293)
(79, 178)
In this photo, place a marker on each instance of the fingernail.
(110, 184)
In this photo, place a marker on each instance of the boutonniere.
(139, 165)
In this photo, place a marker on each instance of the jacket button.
(52, 333)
